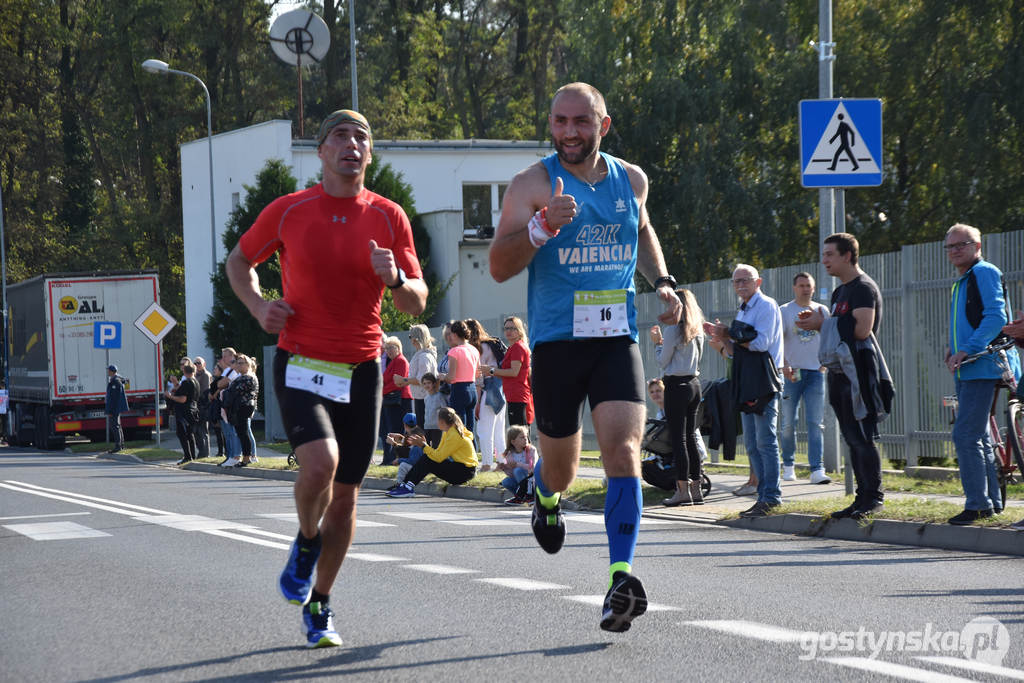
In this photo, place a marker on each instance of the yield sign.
(841, 143)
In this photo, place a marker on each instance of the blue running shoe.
(296, 580)
(406, 490)
(319, 621)
(625, 601)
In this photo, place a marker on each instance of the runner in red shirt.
(339, 246)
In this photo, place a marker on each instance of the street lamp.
(156, 66)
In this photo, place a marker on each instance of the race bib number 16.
(600, 313)
(330, 380)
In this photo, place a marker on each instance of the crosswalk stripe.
(523, 584)
(587, 517)
(974, 665)
(598, 601)
(752, 629)
(895, 670)
(68, 499)
(192, 522)
(440, 569)
(55, 531)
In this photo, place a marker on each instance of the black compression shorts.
(353, 425)
(566, 372)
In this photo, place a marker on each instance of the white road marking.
(76, 501)
(485, 522)
(598, 600)
(246, 539)
(293, 517)
(588, 517)
(54, 531)
(440, 569)
(523, 584)
(374, 557)
(192, 522)
(91, 498)
(752, 629)
(972, 665)
(895, 670)
(424, 516)
(54, 514)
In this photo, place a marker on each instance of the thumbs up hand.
(383, 262)
(561, 208)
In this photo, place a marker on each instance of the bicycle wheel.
(1015, 432)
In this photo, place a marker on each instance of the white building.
(455, 184)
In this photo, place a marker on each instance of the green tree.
(229, 323)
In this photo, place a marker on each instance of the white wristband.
(538, 229)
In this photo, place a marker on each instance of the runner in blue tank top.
(578, 221)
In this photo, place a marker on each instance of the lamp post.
(156, 66)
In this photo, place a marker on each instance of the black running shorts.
(353, 425)
(566, 372)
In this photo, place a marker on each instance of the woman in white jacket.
(422, 362)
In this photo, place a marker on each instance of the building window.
(481, 208)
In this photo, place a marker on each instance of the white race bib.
(599, 313)
(330, 380)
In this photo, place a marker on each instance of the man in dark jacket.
(116, 403)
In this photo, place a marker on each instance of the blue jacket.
(977, 313)
(116, 402)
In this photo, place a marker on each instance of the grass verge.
(900, 509)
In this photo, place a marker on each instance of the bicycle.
(1006, 464)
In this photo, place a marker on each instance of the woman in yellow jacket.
(454, 460)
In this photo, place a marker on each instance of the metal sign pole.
(159, 384)
(107, 420)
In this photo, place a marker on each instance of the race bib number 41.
(330, 380)
(599, 313)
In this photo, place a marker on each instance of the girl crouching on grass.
(454, 460)
(518, 465)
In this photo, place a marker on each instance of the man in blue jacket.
(977, 314)
(116, 404)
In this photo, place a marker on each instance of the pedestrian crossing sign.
(841, 143)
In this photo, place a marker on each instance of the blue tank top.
(596, 251)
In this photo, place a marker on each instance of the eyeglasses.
(511, 329)
(958, 245)
(742, 280)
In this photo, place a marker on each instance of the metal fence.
(915, 284)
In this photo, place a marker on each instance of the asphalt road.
(116, 572)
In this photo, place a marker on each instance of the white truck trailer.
(58, 355)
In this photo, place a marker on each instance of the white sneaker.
(231, 462)
(819, 477)
(787, 473)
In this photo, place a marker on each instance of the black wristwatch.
(666, 280)
(401, 280)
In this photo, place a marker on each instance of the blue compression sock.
(546, 497)
(623, 506)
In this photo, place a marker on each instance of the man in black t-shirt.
(857, 306)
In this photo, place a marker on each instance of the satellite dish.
(300, 38)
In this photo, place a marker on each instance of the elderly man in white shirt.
(759, 429)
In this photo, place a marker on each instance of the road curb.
(894, 532)
(121, 457)
(943, 536)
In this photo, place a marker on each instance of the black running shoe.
(845, 512)
(625, 601)
(548, 526)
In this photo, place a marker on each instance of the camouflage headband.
(341, 116)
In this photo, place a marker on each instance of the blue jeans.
(512, 481)
(763, 451)
(811, 388)
(415, 453)
(232, 444)
(974, 444)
